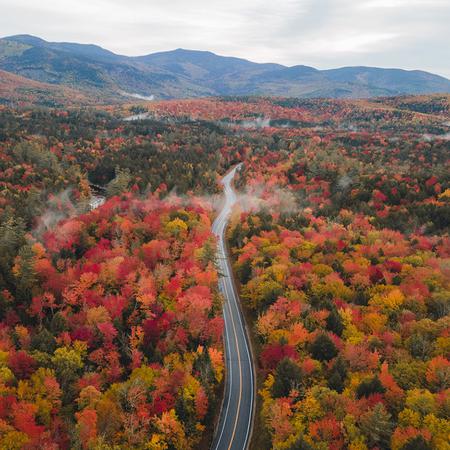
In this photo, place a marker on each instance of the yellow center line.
(219, 229)
(240, 373)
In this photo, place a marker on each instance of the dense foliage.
(343, 256)
(111, 331)
(46, 152)
(111, 321)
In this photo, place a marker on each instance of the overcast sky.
(410, 34)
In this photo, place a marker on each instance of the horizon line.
(447, 77)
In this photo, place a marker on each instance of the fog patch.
(259, 197)
(434, 137)
(260, 122)
(134, 117)
(349, 127)
(59, 207)
(252, 199)
(344, 182)
(208, 202)
(148, 98)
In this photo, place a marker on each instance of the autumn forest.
(111, 317)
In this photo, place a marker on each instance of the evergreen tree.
(334, 322)
(377, 427)
(120, 183)
(417, 443)
(323, 348)
(369, 387)
(287, 376)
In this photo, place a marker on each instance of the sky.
(408, 34)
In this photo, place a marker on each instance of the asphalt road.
(233, 431)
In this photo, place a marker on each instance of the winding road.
(235, 423)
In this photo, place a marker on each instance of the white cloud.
(402, 3)
(411, 34)
(353, 43)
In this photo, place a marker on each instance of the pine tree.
(287, 376)
(377, 427)
(323, 348)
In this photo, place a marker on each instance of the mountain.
(19, 91)
(189, 73)
(87, 67)
(394, 80)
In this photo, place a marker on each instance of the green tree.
(417, 443)
(299, 444)
(287, 377)
(439, 306)
(120, 183)
(369, 387)
(67, 363)
(338, 374)
(244, 271)
(323, 348)
(43, 341)
(377, 427)
(419, 346)
(25, 277)
(12, 238)
(334, 322)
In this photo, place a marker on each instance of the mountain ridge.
(182, 73)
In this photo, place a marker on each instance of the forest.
(111, 318)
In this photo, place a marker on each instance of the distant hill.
(16, 90)
(188, 73)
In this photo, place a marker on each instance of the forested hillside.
(111, 320)
(185, 73)
(342, 253)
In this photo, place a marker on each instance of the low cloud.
(344, 182)
(149, 98)
(260, 122)
(260, 197)
(59, 207)
(435, 137)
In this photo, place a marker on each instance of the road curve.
(235, 423)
